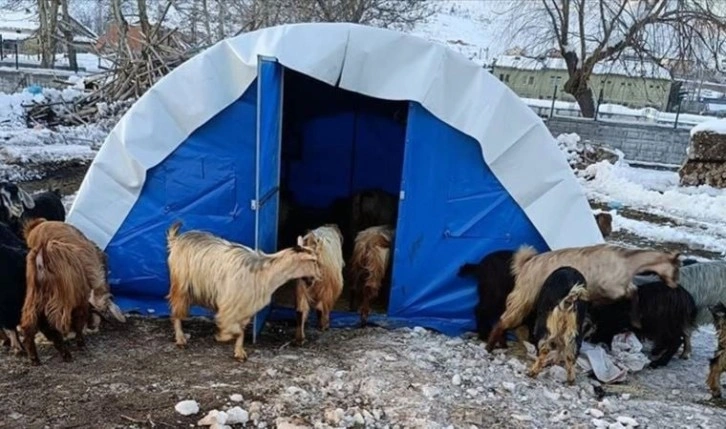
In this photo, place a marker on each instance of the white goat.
(234, 280)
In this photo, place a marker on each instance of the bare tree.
(588, 32)
(47, 31)
(67, 29)
(144, 18)
(401, 14)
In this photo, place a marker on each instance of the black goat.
(666, 316)
(555, 288)
(12, 292)
(48, 205)
(494, 282)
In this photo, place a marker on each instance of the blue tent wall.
(208, 181)
(454, 211)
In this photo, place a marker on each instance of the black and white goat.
(13, 253)
(18, 207)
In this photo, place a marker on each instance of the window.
(506, 77)
(501, 76)
(531, 80)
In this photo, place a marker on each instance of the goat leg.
(12, 336)
(4, 338)
(239, 352)
(541, 360)
(324, 318)
(369, 293)
(716, 366)
(303, 308)
(57, 338)
(570, 359)
(29, 344)
(687, 349)
(670, 348)
(496, 337)
(79, 324)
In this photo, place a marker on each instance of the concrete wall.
(639, 142)
(16, 80)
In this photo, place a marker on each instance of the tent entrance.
(336, 144)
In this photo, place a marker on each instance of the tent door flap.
(267, 183)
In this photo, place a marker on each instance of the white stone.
(213, 417)
(236, 398)
(237, 415)
(522, 417)
(472, 392)
(358, 419)
(456, 380)
(187, 407)
(595, 413)
(562, 415)
(509, 386)
(627, 421)
(625, 396)
(616, 425)
(552, 396)
(557, 373)
(598, 423)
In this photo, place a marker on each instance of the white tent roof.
(379, 63)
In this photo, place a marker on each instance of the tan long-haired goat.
(608, 270)
(326, 241)
(57, 296)
(232, 279)
(564, 336)
(101, 299)
(369, 265)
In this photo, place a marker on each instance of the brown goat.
(369, 265)
(605, 223)
(234, 280)
(57, 296)
(564, 325)
(326, 242)
(608, 269)
(38, 230)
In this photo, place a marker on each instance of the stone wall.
(639, 142)
(16, 80)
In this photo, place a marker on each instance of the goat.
(563, 328)
(38, 230)
(706, 282)
(326, 242)
(662, 314)
(13, 201)
(57, 296)
(605, 223)
(47, 205)
(608, 270)
(12, 294)
(717, 364)
(368, 208)
(369, 266)
(494, 282)
(232, 279)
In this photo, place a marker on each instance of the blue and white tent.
(476, 170)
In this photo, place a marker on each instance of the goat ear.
(26, 199)
(300, 240)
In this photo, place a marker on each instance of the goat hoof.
(685, 356)
(241, 357)
(300, 342)
(67, 358)
(35, 362)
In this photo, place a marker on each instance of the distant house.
(108, 41)
(630, 83)
(20, 27)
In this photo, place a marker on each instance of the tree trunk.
(207, 22)
(578, 85)
(53, 30)
(221, 15)
(144, 19)
(68, 36)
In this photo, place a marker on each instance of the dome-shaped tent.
(474, 168)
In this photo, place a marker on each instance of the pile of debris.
(582, 154)
(132, 72)
(706, 161)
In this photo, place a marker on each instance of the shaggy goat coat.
(370, 265)
(38, 230)
(57, 296)
(608, 270)
(564, 332)
(326, 242)
(706, 282)
(717, 364)
(231, 279)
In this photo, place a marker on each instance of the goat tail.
(578, 293)
(66, 284)
(521, 257)
(173, 232)
(33, 300)
(30, 225)
(467, 270)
